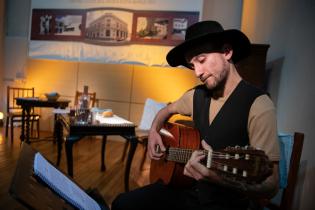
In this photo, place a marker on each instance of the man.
(226, 110)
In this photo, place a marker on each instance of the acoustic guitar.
(244, 164)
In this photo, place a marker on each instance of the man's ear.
(227, 51)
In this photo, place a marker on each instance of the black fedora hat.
(209, 36)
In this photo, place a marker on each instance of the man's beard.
(218, 90)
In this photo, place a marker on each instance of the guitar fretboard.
(180, 155)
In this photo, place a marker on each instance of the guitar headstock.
(245, 164)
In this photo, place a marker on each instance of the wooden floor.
(86, 155)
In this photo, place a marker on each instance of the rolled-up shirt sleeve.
(184, 105)
(262, 127)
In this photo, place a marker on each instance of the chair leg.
(32, 127)
(11, 128)
(144, 156)
(7, 126)
(38, 129)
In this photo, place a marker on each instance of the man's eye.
(201, 59)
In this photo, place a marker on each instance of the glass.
(82, 116)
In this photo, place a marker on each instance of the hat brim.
(237, 39)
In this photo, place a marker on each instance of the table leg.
(58, 134)
(27, 124)
(125, 151)
(22, 137)
(55, 133)
(68, 146)
(133, 146)
(104, 140)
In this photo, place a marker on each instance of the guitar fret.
(179, 155)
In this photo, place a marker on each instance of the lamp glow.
(1, 119)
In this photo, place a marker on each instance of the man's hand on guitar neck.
(155, 139)
(156, 147)
(196, 170)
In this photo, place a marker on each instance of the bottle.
(85, 98)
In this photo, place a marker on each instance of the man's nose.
(198, 70)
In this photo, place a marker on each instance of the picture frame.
(111, 26)
(55, 24)
(162, 27)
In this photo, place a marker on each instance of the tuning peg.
(250, 147)
(228, 148)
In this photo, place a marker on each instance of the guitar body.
(170, 172)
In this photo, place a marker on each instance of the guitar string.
(214, 155)
(215, 164)
(183, 155)
(205, 151)
(185, 158)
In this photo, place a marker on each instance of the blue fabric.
(286, 145)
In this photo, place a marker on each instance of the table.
(27, 104)
(77, 131)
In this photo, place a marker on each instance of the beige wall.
(288, 26)
(2, 34)
(122, 88)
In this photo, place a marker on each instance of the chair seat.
(19, 114)
(142, 135)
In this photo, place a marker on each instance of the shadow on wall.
(305, 187)
(273, 75)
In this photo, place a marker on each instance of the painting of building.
(68, 25)
(152, 28)
(107, 27)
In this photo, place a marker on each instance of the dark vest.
(229, 128)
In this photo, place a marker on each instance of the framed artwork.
(108, 26)
(64, 25)
(162, 28)
(111, 26)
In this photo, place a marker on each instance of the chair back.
(292, 173)
(92, 96)
(16, 92)
(151, 108)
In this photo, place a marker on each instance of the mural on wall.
(111, 26)
(110, 31)
(108, 26)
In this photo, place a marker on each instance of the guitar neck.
(181, 155)
(241, 163)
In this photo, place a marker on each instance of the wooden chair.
(14, 112)
(93, 100)
(151, 108)
(289, 190)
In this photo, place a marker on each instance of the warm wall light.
(1, 119)
(20, 77)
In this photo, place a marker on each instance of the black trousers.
(161, 197)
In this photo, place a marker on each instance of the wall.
(123, 88)
(227, 12)
(2, 35)
(288, 26)
(15, 42)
